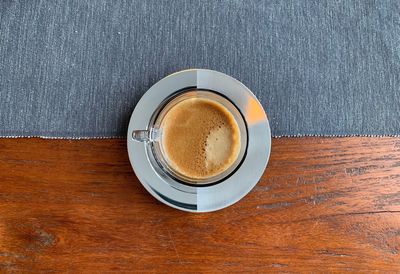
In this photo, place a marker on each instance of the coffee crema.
(200, 138)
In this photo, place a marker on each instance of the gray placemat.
(77, 68)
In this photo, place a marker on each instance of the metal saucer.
(238, 184)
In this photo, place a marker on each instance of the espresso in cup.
(200, 138)
(197, 137)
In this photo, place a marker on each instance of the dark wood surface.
(323, 205)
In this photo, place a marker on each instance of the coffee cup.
(196, 137)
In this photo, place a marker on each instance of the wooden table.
(323, 205)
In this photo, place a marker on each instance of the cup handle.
(149, 135)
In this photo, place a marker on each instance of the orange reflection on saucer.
(254, 113)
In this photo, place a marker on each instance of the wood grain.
(323, 205)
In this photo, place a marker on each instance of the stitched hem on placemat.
(336, 135)
(275, 137)
(61, 138)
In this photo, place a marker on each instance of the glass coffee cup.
(196, 137)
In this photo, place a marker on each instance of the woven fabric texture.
(77, 68)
